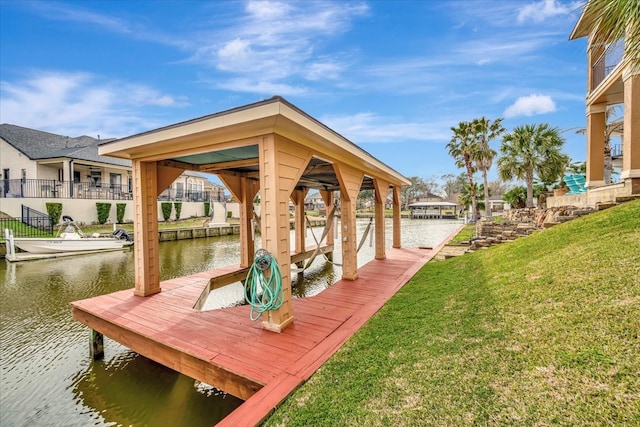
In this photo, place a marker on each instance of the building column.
(244, 190)
(631, 135)
(327, 198)
(396, 216)
(596, 123)
(350, 180)
(297, 196)
(67, 175)
(381, 192)
(145, 209)
(282, 163)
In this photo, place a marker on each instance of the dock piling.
(96, 344)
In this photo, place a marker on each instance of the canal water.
(46, 375)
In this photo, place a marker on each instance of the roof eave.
(583, 26)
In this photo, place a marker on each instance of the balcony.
(611, 57)
(52, 189)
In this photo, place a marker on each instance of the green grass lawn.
(542, 331)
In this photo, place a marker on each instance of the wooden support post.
(282, 163)
(244, 190)
(297, 196)
(96, 344)
(350, 180)
(327, 198)
(145, 208)
(382, 190)
(396, 216)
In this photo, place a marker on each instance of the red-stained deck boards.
(226, 349)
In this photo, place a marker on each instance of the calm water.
(47, 377)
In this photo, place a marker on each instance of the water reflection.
(46, 375)
(119, 391)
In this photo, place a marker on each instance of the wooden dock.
(226, 349)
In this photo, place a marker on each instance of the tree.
(497, 187)
(516, 197)
(409, 193)
(484, 131)
(531, 150)
(615, 20)
(465, 197)
(365, 199)
(462, 148)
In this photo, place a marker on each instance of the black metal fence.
(32, 224)
(52, 189)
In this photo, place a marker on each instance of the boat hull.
(56, 245)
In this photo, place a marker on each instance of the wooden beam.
(297, 196)
(166, 176)
(179, 165)
(381, 192)
(145, 209)
(180, 361)
(244, 190)
(396, 216)
(282, 163)
(350, 180)
(213, 167)
(327, 198)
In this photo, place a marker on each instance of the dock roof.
(228, 141)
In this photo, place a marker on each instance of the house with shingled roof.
(38, 166)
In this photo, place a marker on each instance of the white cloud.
(79, 103)
(273, 41)
(262, 87)
(369, 127)
(539, 11)
(73, 13)
(530, 105)
(320, 70)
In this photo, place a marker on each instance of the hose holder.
(263, 285)
(262, 259)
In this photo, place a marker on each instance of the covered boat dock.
(277, 149)
(434, 210)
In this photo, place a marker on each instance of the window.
(96, 178)
(115, 180)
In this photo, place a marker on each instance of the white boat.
(71, 239)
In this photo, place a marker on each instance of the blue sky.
(391, 76)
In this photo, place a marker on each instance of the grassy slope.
(545, 330)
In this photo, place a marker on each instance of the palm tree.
(462, 148)
(532, 150)
(465, 197)
(484, 131)
(516, 197)
(614, 20)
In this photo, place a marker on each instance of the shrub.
(54, 210)
(120, 208)
(178, 206)
(166, 210)
(207, 208)
(103, 211)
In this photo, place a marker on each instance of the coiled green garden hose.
(263, 286)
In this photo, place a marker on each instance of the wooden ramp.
(226, 349)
